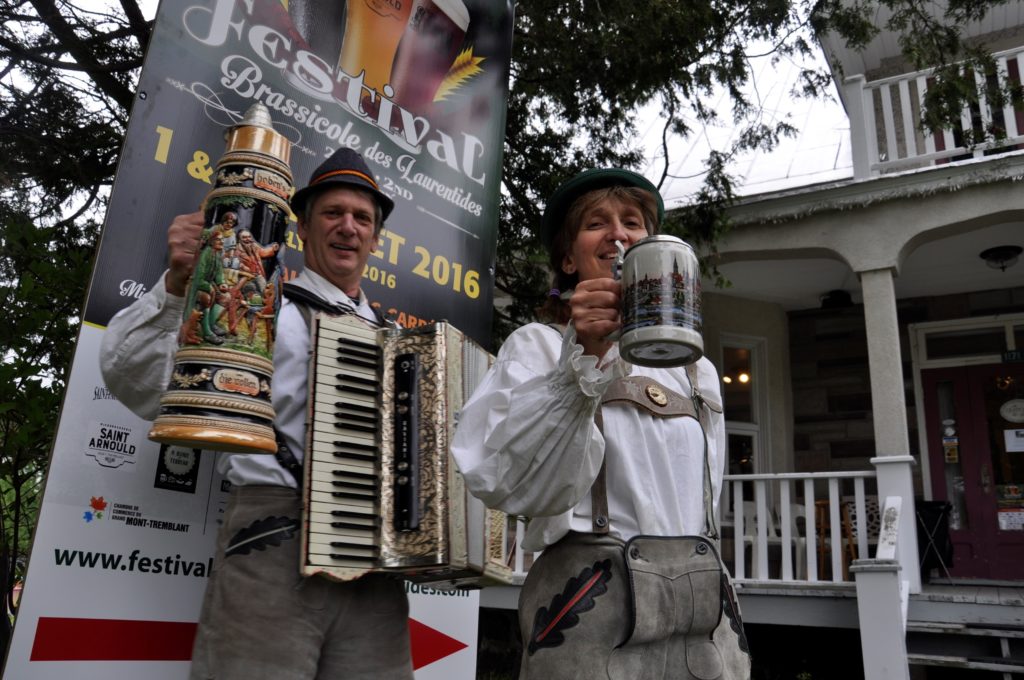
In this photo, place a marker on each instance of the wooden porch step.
(973, 663)
(1009, 632)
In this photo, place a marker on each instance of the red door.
(975, 425)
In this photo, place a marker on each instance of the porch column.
(860, 108)
(889, 410)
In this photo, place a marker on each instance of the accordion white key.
(382, 493)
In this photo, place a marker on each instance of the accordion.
(382, 493)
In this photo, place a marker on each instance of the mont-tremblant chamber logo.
(129, 514)
(97, 507)
(112, 446)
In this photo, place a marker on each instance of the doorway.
(974, 422)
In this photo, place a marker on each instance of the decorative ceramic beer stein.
(219, 394)
(661, 303)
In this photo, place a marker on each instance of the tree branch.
(81, 53)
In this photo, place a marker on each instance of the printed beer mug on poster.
(403, 48)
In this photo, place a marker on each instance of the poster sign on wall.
(126, 530)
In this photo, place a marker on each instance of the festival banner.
(125, 534)
(419, 87)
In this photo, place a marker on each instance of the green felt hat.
(589, 180)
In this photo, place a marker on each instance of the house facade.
(879, 321)
(871, 346)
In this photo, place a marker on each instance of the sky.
(819, 153)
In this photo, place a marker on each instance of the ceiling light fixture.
(1001, 257)
(836, 299)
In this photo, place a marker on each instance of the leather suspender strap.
(599, 490)
(710, 525)
(666, 403)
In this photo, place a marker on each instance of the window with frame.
(741, 393)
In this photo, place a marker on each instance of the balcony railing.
(886, 132)
(794, 527)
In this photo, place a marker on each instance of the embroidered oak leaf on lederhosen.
(732, 612)
(261, 534)
(564, 610)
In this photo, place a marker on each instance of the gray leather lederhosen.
(650, 608)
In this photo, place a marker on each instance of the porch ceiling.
(940, 267)
(884, 49)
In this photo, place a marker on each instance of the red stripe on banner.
(64, 639)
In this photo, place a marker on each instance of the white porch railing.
(882, 600)
(835, 528)
(774, 537)
(886, 133)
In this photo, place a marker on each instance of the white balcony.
(885, 121)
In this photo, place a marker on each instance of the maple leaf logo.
(87, 516)
(98, 504)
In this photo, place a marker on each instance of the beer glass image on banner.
(429, 48)
(320, 24)
(372, 31)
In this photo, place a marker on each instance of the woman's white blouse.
(527, 444)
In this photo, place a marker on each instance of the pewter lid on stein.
(659, 238)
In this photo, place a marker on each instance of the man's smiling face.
(338, 230)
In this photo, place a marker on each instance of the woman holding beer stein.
(617, 466)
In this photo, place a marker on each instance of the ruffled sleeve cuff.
(582, 371)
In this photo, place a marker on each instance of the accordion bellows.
(382, 493)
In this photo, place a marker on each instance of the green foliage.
(580, 72)
(65, 80)
(933, 36)
(42, 270)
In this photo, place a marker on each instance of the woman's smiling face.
(593, 252)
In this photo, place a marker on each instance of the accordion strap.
(287, 459)
(309, 302)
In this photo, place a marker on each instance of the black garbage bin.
(934, 547)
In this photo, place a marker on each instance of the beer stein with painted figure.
(219, 394)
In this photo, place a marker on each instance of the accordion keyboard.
(344, 510)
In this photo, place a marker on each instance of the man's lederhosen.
(262, 620)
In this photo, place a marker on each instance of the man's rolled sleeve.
(138, 347)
